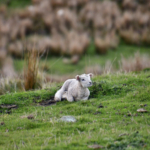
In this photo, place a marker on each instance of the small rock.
(123, 134)
(141, 110)
(95, 146)
(23, 142)
(2, 123)
(23, 116)
(30, 117)
(68, 119)
(100, 106)
(129, 114)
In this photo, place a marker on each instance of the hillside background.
(71, 37)
(45, 42)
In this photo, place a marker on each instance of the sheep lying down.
(75, 89)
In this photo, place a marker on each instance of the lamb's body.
(75, 89)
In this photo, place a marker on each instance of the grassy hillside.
(109, 118)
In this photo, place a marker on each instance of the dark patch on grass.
(97, 112)
(8, 106)
(46, 102)
(2, 123)
(32, 125)
(36, 98)
(100, 106)
(8, 111)
(30, 117)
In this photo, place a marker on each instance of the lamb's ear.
(78, 77)
(91, 75)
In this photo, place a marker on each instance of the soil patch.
(48, 102)
(8, 106)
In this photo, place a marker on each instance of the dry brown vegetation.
(136, 63)
(135, 22)
(65, 27)
(34, 78)
(30, 73)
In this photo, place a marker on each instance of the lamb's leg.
(64, 96)
(70, 98)
(86, 96)
(63, 89)
(58, 95)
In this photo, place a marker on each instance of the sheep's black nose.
(90, 82)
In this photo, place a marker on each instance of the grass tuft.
(30, 73)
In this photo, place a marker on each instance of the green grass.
(119, 94)
(56, 65)
(16, 3)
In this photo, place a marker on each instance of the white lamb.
(75, 89)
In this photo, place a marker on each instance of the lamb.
(75, 89)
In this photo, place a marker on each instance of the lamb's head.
(85, 80)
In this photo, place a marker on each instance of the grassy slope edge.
(109, 118)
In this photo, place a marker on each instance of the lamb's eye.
(83, 80)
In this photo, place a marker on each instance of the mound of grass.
(109, 118)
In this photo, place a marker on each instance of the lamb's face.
(85, 80)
